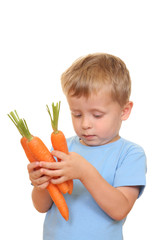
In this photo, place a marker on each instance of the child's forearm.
(41, 200)
(110, 199)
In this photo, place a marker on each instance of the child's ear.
(126, 111)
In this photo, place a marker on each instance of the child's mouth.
(88, 137)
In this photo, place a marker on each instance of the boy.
(108, 171)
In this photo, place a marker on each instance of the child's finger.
(32, 166)
(43, 186)
(53, 173)
(60, 155)
(40, 181)
(51, 165)
(37, 173)
(58, 180)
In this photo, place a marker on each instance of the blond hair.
(97, 71)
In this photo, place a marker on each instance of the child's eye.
(97, 115)
(76, 115)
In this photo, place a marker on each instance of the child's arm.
(40, 196)
(116, 202)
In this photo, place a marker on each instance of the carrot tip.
(66, 218)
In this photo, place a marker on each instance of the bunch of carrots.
(36, 150)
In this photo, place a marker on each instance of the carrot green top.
(54, 116)
(20, 124)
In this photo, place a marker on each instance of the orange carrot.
(40, 152)
(54, 192)
(57, 137)
(58, 200)
(36, 150)
(63, 187)
(26, 150)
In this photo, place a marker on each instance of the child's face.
(97, 119)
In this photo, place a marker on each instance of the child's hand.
(37, 177)
(72, 166)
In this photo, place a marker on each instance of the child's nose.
(86, 123)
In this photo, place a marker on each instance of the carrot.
(54, 192)
(15, 119)
(36, 150)
(26, 150)
(63, 187)
(57, 137)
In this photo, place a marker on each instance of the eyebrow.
(74, 110)
(91, 110)
(97, 110)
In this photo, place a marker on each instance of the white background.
(38, 41)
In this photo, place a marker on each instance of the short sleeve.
(132, 169)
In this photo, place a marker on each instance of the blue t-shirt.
(121, 163)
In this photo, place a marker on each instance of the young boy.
(108, 171)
